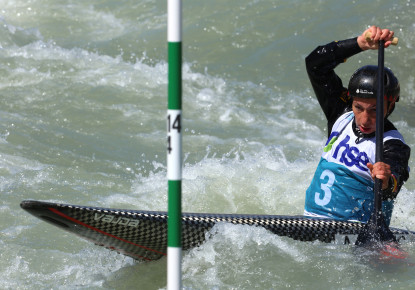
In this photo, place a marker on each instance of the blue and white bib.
(342, 187)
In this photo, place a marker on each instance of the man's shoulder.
(389, 126)
(390, 132)
(343, 119)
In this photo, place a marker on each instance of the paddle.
(376, 231)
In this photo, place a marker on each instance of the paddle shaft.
(376, 230)
(379, 127)
(379, 123)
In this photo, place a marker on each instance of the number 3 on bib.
(325, 187)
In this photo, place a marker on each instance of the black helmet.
(363, 83)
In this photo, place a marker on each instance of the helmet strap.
(390, 108)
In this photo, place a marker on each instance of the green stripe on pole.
(175, 75)
(175, 210)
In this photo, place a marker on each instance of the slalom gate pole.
(174, 146)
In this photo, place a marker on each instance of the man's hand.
(377, 34)
(380, 171)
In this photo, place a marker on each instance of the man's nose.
(365, 118)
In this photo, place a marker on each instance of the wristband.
(394, 183)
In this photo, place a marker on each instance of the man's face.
(365, 114)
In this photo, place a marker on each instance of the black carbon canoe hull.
(143, 234)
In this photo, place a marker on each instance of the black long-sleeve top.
(334, 100)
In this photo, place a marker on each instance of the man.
(342, 187)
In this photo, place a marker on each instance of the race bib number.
(328, 178)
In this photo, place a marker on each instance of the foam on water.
(265, 261)
(235, 249)
(65, 269)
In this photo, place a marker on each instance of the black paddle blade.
(375, 232)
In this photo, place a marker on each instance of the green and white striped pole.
(174, 147)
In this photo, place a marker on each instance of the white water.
(83, 90)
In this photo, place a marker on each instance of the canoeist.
(342, 187)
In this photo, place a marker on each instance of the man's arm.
(396, 154)
(327, 85)
(394, 170)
